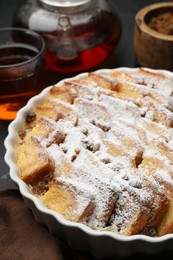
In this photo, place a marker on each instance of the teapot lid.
(65, 5)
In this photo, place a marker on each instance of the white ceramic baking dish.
(101, 244)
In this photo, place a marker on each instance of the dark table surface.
(123, 57)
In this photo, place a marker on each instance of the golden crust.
(33, 160)
(61, 197)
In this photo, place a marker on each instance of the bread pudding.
(99, 150)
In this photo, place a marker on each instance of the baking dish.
(101, 244)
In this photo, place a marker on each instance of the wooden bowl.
(154, 47)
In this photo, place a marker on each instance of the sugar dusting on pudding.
(99, 151)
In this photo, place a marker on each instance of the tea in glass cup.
(22, 73)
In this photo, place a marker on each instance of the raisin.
(105, 128)
(22, 134)
(84, 130)
(30, 117)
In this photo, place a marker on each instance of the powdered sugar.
(111, 146)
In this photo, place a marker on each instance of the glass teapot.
(79, 34)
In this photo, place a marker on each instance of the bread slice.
(68, 200)
(166, 224)
(33, 160)
(161, 170)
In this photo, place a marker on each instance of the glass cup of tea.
(22, 72)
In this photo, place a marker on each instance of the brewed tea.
(21, 77)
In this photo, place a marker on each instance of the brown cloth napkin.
(22, 238)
